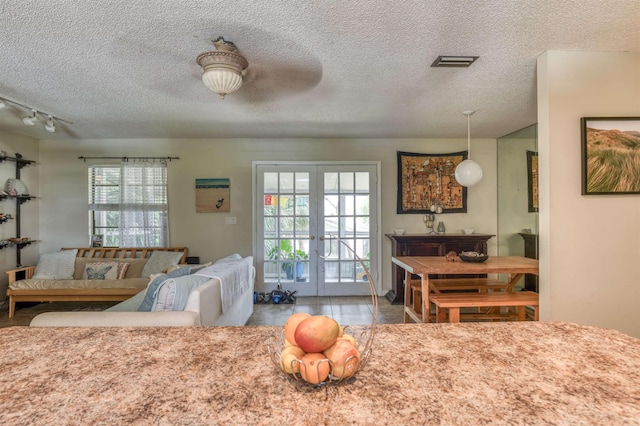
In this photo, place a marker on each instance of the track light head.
(50, 126)
(31, 120)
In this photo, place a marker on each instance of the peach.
(314, 368)
(289, 359)
(351, 339)
(291, 324)
(344, 357)
(316, 333)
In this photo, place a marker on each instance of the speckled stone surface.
(468, 373)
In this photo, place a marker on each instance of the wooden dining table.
(425, 266)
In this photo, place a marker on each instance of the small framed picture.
(96, 240)
(609, 155)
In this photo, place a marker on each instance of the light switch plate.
(230, 220)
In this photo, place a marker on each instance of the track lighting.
(31, 120)
(50, 126)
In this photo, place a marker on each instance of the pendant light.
(468, 172)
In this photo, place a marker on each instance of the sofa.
(216, 295)
(90, 274)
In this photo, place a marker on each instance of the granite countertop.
(467, 373)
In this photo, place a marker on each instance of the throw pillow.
(123, 267)
(229, 258)
(194, 268)
(159, 261)
(174, 293)
(100, 271)
(152, 288)
(122, 270)
(56, 266)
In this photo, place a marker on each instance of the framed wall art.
(426, 182)
(610, 155)
(213, 195)
(532, 180)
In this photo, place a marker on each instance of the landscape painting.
(212, 195)
(610, 155)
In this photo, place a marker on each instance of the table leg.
(407, 295)
(454, 314)
(520, 312)
(513, 280)
(441, 314)
(426, 303)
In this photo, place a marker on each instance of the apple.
(344, 357)
(316, 333)
(314, 368)
(289, 359)
(291, 324)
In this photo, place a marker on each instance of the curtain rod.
(127, 158)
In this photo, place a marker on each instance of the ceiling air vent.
(454, 61)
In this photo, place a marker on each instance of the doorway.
(305, 214)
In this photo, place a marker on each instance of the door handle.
(312, 237)
(321, 238)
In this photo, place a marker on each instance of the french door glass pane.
(286, 226)
(346, 214)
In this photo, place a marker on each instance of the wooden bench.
(83, 294)
(454, 301)
(478, 285)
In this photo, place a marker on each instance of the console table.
(428, 245)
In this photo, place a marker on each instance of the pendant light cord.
(468, 114)
(469, 136)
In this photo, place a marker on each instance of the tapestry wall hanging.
(213, 195)
(610, 155)
(426, 182)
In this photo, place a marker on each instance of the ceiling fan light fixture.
(223, 68)
(468, 172)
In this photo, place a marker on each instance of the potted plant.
(288, 256)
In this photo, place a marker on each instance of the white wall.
(589, 245)
(12, 144)
(64, 221)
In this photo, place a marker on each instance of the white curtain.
(143, 204)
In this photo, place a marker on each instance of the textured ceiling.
(126, 69)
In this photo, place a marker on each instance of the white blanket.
(235, 276)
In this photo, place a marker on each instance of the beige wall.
(64, 221)
(589, 245)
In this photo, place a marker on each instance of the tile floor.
(346, 310)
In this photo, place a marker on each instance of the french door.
(301, 210)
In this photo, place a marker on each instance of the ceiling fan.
(270, 74)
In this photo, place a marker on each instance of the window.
(128, 204)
